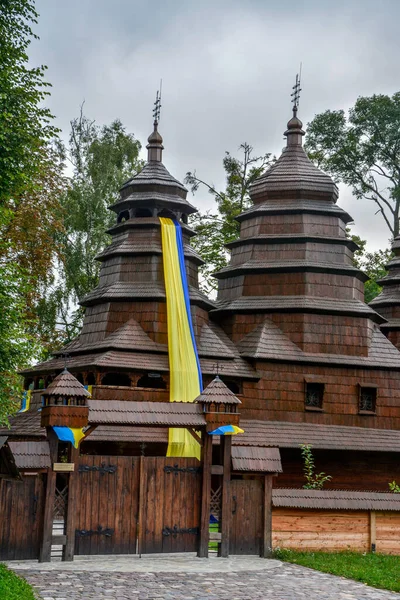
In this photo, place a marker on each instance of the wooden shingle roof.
(66, 384)
(171, 414)
(254, 459)
(335, 499)
(217, 393)
(283, 434)
(31, 455)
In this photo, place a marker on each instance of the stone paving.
(188, 578)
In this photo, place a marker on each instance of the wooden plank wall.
(330, 531)
(388, 532)
(21, 517)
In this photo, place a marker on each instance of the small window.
(152, 380)
(79, 377)
(143, 213)
(91, 379)
(232, 385)
(29, 384)
(168, 214)
(314, 396)
(116, 379)
(367, 400)
(123, 216)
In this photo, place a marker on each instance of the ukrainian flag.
(185, 372)
(69, 434)
(26, 401)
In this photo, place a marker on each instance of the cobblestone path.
(277, 581)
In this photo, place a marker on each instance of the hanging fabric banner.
(89, 388)
(26, 401)
(69, 434)
(184, 366)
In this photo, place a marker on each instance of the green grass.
(378, 570)
(213, 527)
(13, 587)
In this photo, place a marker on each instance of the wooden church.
(289, 352)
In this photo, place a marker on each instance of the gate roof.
(171, 414)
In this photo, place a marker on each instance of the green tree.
(363, 151)
(373, 264)
(25, 123)
(314, 481)
(215, 228)
(31, 181)
(103, 158)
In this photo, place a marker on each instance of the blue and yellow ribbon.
(184, 366)
(69, 434)
(26, 401)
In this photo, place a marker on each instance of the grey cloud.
(227, 70)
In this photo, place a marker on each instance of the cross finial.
(157, 106)
(217, 368)
(295, 95)
(65, 356)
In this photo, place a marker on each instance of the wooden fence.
(335, 530)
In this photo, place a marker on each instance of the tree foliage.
(363, 151)
(25, 123)
(215, 228)
(31, 181)
(373, 264)
(103, 158)
(314, 481)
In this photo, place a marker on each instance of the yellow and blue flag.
(69, 434)
(184, 365)
(89, 388)
(26, 401)
(226, 430)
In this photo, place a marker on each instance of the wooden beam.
(141, 507)
(372, 530)
(70, 519)
(89, 431)
(226, 495)
(47, 533)
(194, 434)
(266, 550)
(205, 497)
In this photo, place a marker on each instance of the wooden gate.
(107, 505)
(129, 504)
(245, 535)
(170, 505)
(21, 518)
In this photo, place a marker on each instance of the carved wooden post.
(69, 547)
(205, 497)
(45, 549)
(226, 441)
(267, 518)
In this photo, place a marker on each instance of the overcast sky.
(227, 68)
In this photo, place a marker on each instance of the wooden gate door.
(21, 517)
(107, 505)
(245, 535)
(170, 505)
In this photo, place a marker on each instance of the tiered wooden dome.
(292, 265)
(388, 301)
(123, 341)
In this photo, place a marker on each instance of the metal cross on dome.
(295, 95)
(157, 106)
